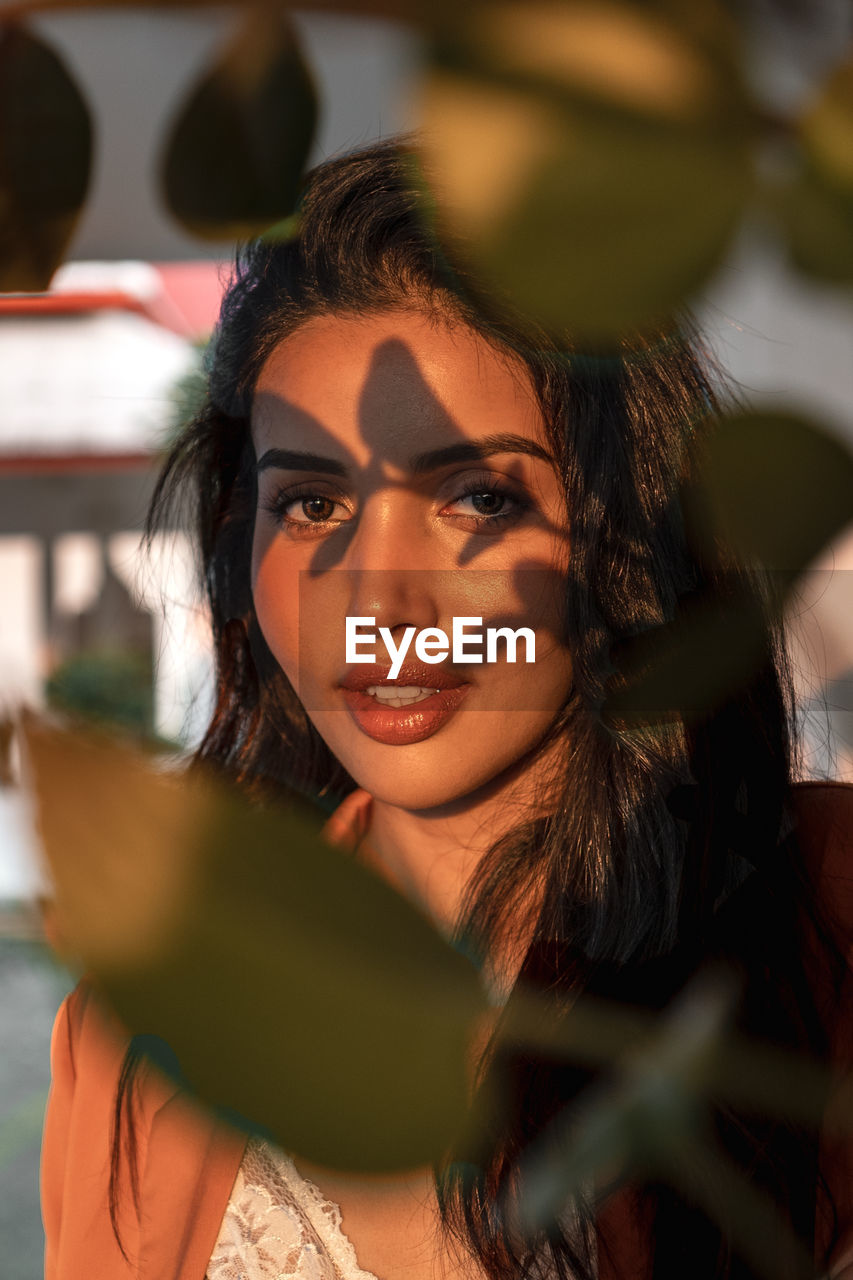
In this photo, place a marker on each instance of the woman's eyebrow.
(476, 451)
(464, 451)
(298, 460)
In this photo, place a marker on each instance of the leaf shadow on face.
(688, 647)
(392, 359)
(398, 462)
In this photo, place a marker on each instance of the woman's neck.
(430, 855)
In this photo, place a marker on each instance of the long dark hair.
(641, 868)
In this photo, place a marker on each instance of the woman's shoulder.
(183, 1160)
(88, 1049)
(350, 822)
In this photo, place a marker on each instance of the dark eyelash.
(278, 501)
(490, 484)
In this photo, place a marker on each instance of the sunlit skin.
(372, 395)
(378, 530)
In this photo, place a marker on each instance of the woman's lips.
(399, 726)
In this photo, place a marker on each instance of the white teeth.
(398, 695)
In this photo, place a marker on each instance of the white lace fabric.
(278, 1226)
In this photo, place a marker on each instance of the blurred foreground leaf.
(234, 161)
(403, 10)
(45, 156)
(816, 207)
(686, 668)
(305, 995)
(294, 987)
(778, 488)
(775, 489)
(594, 158)
(649, 1118)
(635, 1121)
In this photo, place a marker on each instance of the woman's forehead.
(396, 378)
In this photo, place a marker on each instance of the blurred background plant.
(187, 394)
(111, 687)
(603, 163)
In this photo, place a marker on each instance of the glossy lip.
(401, 726)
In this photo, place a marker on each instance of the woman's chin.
(440, 783)
(472, 754)
(412, 788)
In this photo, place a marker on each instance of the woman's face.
(403, 476)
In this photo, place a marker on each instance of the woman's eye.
(488, 503)
(301, 511)
(487, 506)
(314, 509)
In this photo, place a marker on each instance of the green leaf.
(234, 160)
(645, 1113)
(775, 489)
(686, 668)
(295, 988)
(778, 487)
(817, 217)
(826, 128)
(815, 206)
(590, 161)
(45, 158)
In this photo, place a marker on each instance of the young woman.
(379, 443)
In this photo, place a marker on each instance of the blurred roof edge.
(183, 297)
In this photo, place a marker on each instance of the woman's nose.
(395, 598)
(391, 578)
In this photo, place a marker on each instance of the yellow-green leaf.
(688, 667)
(590, 161)
(826, 128)
(775, 489)
(778, 487)
(815, 205)
(817, 217)
(295, 988)
(45, 155)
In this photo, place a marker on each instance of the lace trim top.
(278, 1226)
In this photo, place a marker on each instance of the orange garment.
(188, 1161)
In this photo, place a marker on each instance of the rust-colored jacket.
(187, 1161)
